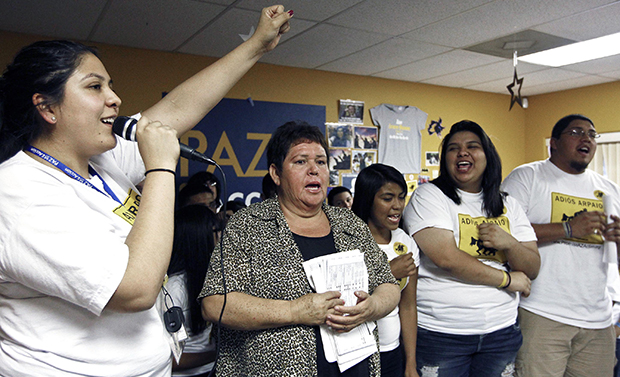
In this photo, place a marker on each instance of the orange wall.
(140, 76)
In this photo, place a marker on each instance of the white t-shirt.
(389, 326)
(446, 304)
(177, 288)
(62, 257)
(571, 285)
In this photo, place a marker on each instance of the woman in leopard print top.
(270, 322)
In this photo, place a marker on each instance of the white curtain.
(606, 161)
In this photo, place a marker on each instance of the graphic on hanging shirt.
(565, 208)
(469, 240)
(129, 209)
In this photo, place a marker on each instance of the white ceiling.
(410, 40)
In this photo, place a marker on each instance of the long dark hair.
(193, 244)
(42, 67)
(369, 181)
(493, 199)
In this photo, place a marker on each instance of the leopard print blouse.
(262, 259)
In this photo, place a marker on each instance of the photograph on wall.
(348, 180)
(432, 158)
(365, 137)
(424, 177)
(339, 135)
(361, 159)
(350, 111)
(334, 178)
(412, 184)
(339, 159)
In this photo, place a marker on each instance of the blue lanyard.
(67, 170)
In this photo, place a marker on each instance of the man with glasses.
(202, 188)
(566, 321)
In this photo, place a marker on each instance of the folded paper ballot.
(346, 273)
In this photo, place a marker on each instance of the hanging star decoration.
(435, 127)
(515, 97)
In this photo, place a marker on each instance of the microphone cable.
(221, 242)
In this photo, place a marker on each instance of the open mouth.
(108, 121)
(583, 150)
(394, 218)
(314, 187)
(463, 165)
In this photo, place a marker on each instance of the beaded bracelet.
(160, 169)
(568, 231)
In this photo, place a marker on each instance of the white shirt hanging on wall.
(400, 138)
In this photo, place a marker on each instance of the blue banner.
(235, 134)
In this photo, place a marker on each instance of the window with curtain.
(607, 157)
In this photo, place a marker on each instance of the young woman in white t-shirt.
(81, 267)
(478, 253)
(380, 192)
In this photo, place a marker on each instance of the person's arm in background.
(408, 312)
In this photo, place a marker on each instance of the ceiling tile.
(491, 72)
(533, 82)
(453, 61)
(221, 2)
(395, 17)
(51, 18)
(608, 64)
(320, 45)
(548, 75)
(222, 36)
(315, 10)
(566, 84)
(599, 21)
(151, 23)
(388, 54)
(612, 74)
(496, 19)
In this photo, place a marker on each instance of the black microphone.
(125, 127)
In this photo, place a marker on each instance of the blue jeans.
(393, 362)
(617, 367)
(488, 355)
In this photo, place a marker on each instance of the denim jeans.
(617, 367)
(393, 362)
(488, 355)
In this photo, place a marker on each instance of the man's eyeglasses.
(579, 132)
